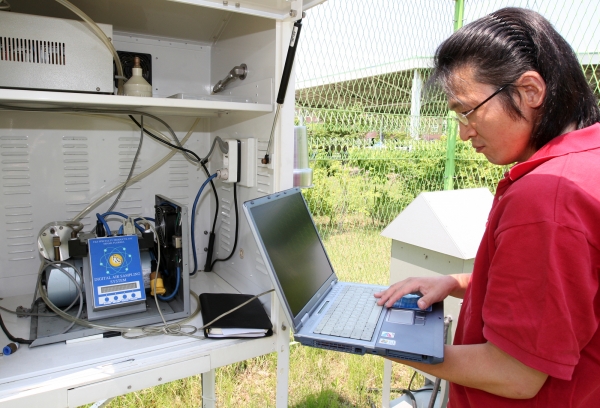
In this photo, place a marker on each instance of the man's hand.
(433, 289)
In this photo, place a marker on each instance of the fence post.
(452, 125)
(415, 105)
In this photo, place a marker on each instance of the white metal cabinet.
(53, 164)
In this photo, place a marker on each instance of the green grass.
(317, 378)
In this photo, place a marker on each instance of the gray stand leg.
(386, 386)
(283, 359)
(208, 390)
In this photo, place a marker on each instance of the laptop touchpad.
(401, 316)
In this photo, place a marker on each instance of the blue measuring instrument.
(116, 272)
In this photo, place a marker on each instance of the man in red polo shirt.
(528, 333)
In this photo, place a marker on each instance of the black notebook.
(250, 320)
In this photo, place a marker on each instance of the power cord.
(223, 146)
(193, 221)
(11, 337)
(237, 222)
(160, 140)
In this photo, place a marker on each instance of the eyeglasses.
(462, 116)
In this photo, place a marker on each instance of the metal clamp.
(239, 72)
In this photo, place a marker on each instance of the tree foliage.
(357, 182)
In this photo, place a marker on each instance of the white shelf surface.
(164, 106)
(74, 374)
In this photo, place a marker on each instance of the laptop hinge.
(304, 319)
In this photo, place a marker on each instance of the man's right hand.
(433, 289)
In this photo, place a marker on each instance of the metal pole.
(459, 13)
(452, 125)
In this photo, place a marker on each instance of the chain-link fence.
(377, 137)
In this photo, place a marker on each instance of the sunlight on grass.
(317, 378)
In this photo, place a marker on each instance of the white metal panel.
(54, 54)
(177, 66)
(428, 259)
(160, 18)
(248, 40)
(275, 9)
(157, 106)
(186, 367)
(165, 18)
(32, 398)
(451, 222)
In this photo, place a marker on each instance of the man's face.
(491, 130)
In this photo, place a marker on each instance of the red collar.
(577, 141)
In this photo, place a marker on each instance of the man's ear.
(532, 89)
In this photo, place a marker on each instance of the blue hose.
(103, 221)
(193, 222)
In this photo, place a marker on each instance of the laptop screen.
(293, 246)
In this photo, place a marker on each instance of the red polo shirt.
(534, 288)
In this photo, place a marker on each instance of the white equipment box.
(53, 54)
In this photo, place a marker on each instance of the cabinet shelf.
(162, 106)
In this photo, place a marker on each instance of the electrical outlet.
(231, 161)
(248, 162)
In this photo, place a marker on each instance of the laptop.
(310, 291)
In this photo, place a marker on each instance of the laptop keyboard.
(354, 314)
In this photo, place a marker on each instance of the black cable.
(195, 156)
(411, 381)
(202, 163)
(216, 197)
(10, 336)
(160, 140)
(211, 237)
(236, 228)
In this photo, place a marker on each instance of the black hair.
(500, 47)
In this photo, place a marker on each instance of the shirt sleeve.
(539, 303)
